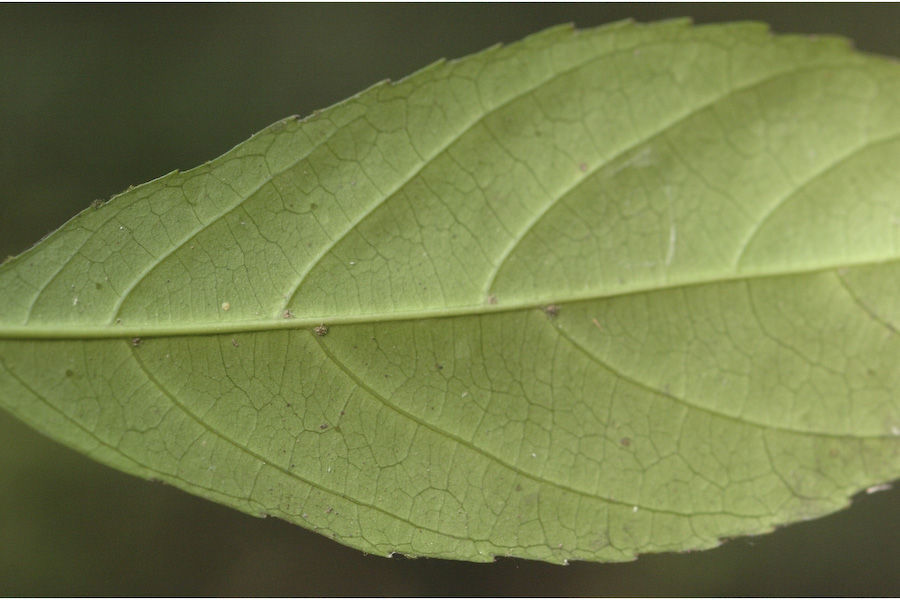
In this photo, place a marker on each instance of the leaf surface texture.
(594, 294)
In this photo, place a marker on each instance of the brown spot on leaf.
(551, 310)
(625, 441)
(320, 330)
(135, 341)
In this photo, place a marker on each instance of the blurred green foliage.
(95, 98)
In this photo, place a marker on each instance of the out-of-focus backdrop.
(96, 98)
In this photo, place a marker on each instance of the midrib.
(60, 331)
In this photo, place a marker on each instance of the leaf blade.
(447, 410)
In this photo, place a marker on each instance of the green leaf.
(594, 294)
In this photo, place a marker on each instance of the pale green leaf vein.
(204, 226)
(440, 150)
(826, 169)
(593, 169)
(862, 305)
(461, 442)
(693, 406)
(66, 331)
(265, 462)
(75, 251)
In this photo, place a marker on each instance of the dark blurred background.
(96, 98)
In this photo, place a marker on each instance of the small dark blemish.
(342, 413)
(320, 330)
(329, 511)
(551, 310)
(97, 204)
(69, 372)
(492, 299)
(439, 366)
(582, 167)
(98, 286)
(234, 342)
(135, 341)
(313, 206)
(287, 314)
(625, 441)
(323, 426)
(518, 487)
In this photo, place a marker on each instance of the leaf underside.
(593, 294)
